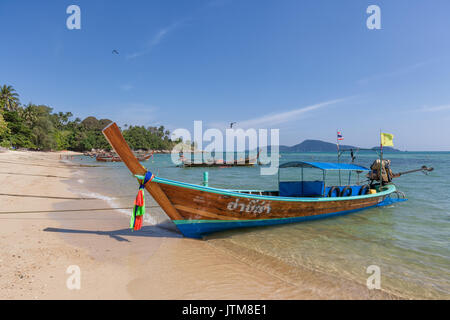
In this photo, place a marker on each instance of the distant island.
(323, 146)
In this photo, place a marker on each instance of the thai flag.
(340, 137)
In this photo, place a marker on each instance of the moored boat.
(198, 210)
(108, 159)
(247, 162)
(219, 163)
(112, 158)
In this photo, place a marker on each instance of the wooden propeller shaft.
(424, 169)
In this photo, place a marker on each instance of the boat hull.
(108, 160)
(207, 210)
(197, 229)
(216, 165)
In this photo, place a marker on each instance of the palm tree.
(9, 98)
(29, 114)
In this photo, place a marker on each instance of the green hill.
(323, 146)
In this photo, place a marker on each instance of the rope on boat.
(65, 211)
(137, 216)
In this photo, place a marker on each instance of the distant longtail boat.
(118, 159)
(247, 162)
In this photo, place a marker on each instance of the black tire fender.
(345, 191)
(332, 190)
(364, 190)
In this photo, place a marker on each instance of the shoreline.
(115, 263)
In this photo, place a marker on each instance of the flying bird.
(115, 52)
(232, 124)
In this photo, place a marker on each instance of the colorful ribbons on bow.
(138, 213)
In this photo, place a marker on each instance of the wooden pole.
(381, 161)
(205, 179)
(117, 141)
(339, 155)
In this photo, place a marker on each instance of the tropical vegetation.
(37, 127)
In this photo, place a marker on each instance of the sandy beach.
(41, 237)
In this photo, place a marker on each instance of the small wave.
(78, 173)
(113, 203)
(96, 196)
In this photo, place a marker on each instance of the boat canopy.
(323, 166)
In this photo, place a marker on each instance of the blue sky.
(306, 67)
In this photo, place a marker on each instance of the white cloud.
(272, 119)
(394, 73)
(435, 109)
(164, 32)
(126, 87)
(155, 40)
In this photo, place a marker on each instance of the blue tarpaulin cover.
(301, 189)
(324, 166)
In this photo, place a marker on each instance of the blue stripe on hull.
(198, 228)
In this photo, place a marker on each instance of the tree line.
(37, 127)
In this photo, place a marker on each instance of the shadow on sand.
(156, 231)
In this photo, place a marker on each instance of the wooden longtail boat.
(108, 159)
(118, 159)
(247, 162)
(198, 210)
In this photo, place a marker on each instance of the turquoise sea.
(408, 241)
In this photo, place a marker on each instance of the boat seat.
(290, 189)
(301, 188)
(313, 188)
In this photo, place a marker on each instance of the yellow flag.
(387, 140)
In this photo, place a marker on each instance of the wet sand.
(115, 263)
